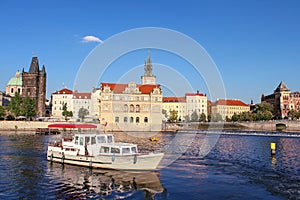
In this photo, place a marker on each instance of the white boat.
(101, 151)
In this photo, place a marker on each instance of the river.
(237, 167)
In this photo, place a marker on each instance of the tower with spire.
(34, 85)
(148, 78)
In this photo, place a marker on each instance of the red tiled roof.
(63, 91)
(82, 95)
(194, 94)
(229, 102)
(174, 99)
(119, 88)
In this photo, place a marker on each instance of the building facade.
(34, 85)
(177, 104)
(283, 100)
(82, 100)
(59, 98)
(196, 102)
(227, 108)
(14, 85)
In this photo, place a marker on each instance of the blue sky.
(255, 44)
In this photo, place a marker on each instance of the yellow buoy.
(273, 148)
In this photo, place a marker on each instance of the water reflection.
(80, 182)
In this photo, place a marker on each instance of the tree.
(173, 115)
(216, 117)
(28, 108)
(194, 116)
(187, 118)
(293, 114)
(15, 105)
(66, 113)
(2, 112)
(202, 117)
(82, 113)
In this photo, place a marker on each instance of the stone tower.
(34, 85)
(148, 78)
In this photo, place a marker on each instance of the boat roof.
(119, 144)
(72, 126)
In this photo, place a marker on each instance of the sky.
(254, 44)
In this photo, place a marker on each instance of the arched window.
(137, 120)
(131, 108)
(146, 120)
(125, 108)
(131, 119)
(125, 119)
(137, 108)
(19, 90)
(11, 90)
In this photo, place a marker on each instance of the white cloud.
(91, 38)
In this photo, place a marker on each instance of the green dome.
(15, 81)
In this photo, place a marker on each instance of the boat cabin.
(119, 149)
(92, 139)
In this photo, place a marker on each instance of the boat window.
(93, 140)
(125, 150)
(104, 150)
(115, 150)
(76, 140)
(109, 139)
(81, 141)
(133, 149)
(101, 139)
(87, 140)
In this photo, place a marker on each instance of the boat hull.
(118, 162)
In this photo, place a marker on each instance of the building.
(227, 108)
(34, 85)
(1, 98)
(196, 102)
(177, 104)
(132, 107)
(283, 100)
(14, 85)
(81, 100)
(59, 98)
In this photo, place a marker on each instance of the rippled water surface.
(238, 167)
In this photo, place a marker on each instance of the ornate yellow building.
(132, 107)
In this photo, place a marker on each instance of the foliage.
(15, 105)
(216, 117)
(294, 114)
(28, 108)
(2, 112)
(173, 115)
(194, 117)
(82, 113)
(187, 118)
(65, 112)
(202, 117)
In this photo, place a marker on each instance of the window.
(93, 140)
(125, 108)
(19, 90)
(131, 119)
(115, 150)
(137, 108)
(81, 141)
(133, 150)
(116, 119)
(104, 149)
(125, 150)
(11, 90)
(137, 120)
(125, 119)
(101, 139)
(146, 120)
(109, 139)
(131, 108)
(76, 140)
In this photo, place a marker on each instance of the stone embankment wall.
(25, 125)
(271, 125)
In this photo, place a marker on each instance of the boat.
(101, 151)
(47, 131)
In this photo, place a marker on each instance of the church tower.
(148, 78)
(34, 85)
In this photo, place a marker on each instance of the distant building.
(81, 100)
(227, 108)
(175, 103)
(283, 100)
(131, 107)
(14, 85)
(59, 98)
(34, 85)
(1, 98)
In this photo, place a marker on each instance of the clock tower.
(148, 78)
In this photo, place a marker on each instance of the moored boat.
(101, 151)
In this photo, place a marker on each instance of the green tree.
(82, 113)
(2, 112)
(187, 118)
(28, 108)
(216, 117)
(235, 117)
(65, 112)
(15, 105)
(293, 114)
(202, 117)
(194, 117)
(173, 115)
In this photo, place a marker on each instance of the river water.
(237, 167)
